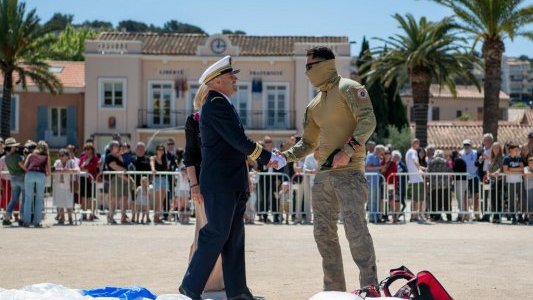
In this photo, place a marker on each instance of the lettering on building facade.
(265, 73)
(170, 72)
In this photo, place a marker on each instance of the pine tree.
(376, 91)
(397, 112)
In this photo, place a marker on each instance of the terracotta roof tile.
(70, 73)
(449, 135)
(463, 91)
(73, 74)
(186, 44)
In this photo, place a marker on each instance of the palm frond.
(23, 48)
(422, 53)
(526, 34)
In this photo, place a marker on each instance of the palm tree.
(426, 52)
(491, 21)
(23, 51)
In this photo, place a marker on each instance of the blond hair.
(42, 148)
(201, 94)
(144, 179)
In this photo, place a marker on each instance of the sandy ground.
(473, 261)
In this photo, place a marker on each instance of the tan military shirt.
(341, 110)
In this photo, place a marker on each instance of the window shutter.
(72, 130)
(42, 122)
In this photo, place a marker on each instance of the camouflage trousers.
(343, 191)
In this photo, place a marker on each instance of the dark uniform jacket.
(193, 155)
(225, 147)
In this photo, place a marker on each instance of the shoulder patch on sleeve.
(362, 93)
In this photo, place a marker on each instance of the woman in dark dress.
(159, 163)
(192, 160)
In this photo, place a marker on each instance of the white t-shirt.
(183, 182)
(76, 161)
(529, 179)
(310, 163)
(141, 195)
(411, 157)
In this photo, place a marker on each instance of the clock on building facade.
(218, 46)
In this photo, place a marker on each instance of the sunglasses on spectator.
(160, 149)
(268, 142)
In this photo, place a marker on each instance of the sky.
(355, 18)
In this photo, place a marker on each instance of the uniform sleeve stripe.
(256, 153)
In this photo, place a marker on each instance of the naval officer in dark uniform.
(224, 186)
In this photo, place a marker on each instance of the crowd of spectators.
(500, 174)
(432, 180)
(26, 169)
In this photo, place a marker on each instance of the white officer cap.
(223, 66)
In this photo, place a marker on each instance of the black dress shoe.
(247, 297)
(189, 294)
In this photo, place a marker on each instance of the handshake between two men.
(277, 160)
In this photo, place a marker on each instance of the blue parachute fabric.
(128, 293)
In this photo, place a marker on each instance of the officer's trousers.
(331, 191)
(223, 235)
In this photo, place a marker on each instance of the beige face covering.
(321, 73)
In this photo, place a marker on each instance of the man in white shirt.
(311, 164)
(416, 181)
(483, 162)
(469, 155)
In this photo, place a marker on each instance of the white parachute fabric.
(45, 291)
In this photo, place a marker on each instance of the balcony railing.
(251, 119)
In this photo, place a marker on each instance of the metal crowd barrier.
(275, 197)
(504, 195)
(61, 193)
(429, 195)
(164, 196)
(403, 197)
(5, 190)
(460, 197)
